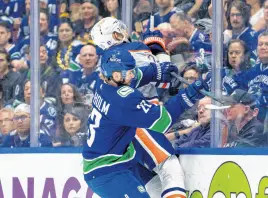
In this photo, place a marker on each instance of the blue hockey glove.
(167, 68)
(163, 71)
(154, 40)
(192, 91)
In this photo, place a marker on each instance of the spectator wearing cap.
(244, 129)
(73, 126)
(238, 15)
(21, 136)
(186, 32)
(9, 80)
(199, 135)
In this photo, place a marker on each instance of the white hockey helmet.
(102, 32)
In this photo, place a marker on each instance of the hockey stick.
(202, 91)
(215, 107)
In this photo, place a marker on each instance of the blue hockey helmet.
(117, 60)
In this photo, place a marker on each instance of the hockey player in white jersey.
(110, 33)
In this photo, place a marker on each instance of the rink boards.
(210, 173)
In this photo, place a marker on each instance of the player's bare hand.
(170, 136)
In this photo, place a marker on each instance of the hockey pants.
(155, 152)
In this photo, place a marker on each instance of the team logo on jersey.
(17, 90)
(125, 91)
(141, 189)
(51, 111)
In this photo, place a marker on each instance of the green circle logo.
(229, 181)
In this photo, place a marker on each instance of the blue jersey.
(24, 28)
(163, 19)
(231, 81)
(14, 52)
(67, 56)
(200, 42)
(53, 12)
(250, 37)
(13, 140)
(84, 83)
(11, 8)
(50, 40)
(117, 112)
(48, 115)
(257, 79)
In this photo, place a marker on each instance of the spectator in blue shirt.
(6, 122)
(21, 136)
(238, 15)
(199, 136)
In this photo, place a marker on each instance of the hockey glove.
(154, 40)
(167, 68)
(192, 91)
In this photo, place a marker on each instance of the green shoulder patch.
(125, 91)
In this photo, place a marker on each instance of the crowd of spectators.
(69, 59)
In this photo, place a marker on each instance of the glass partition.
(231, 57)
(53, 74)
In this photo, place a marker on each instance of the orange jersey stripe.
(155, 102)
(164, 85)
(159, 155)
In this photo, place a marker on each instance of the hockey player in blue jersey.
(118, 110)
(110, 34)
